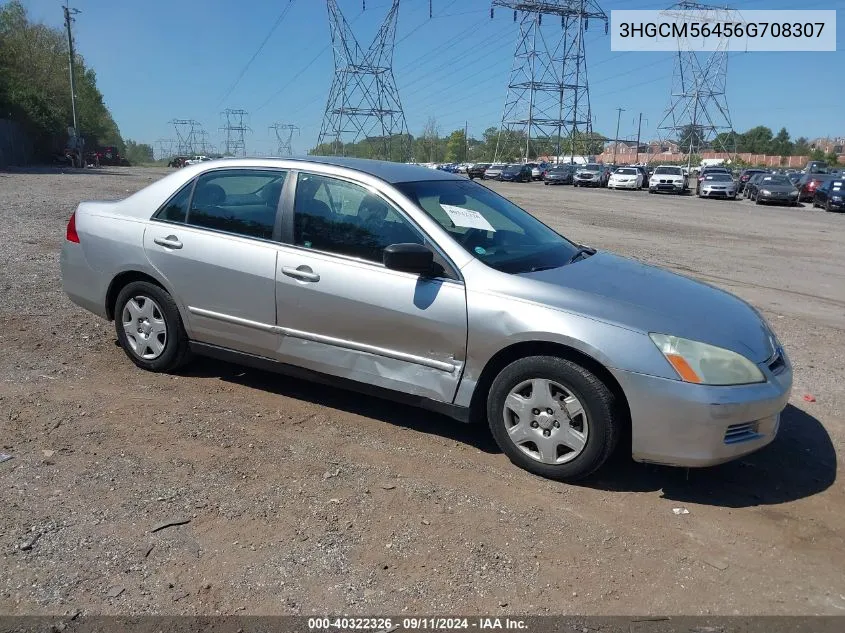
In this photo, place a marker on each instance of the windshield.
(560, 170)
(674, 171)
(591, 167)
(489, 227)
(776, 180)
(625, 170)
(719, 177)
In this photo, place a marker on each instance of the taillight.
(71, 235)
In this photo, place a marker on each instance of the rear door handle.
(301, 272)
(171, 241)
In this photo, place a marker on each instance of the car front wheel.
(553, 417)
(149, 328)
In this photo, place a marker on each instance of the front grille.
(741, 432)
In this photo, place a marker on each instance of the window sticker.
(467, 218)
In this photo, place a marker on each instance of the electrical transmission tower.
(547, 108)
(284, 136)
(698, 113)
(164, 147)
(363, 101)
(235, 127)
(186, 135)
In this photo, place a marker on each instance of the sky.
(190, 59)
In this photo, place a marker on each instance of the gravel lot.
(305, 499)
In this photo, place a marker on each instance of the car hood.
(637, 296)
(778, 188)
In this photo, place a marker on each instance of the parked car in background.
(516, 172)
(745, 176)
(668, 179)
(645, 174)
(476, 170)
(713, 170)
(196, 160)
(494, 171)
(808, 184)
(394, 280)
(591, 175)
(538, 169)
(775, 189)
(717, 185)
(751, 186)
(831, 195)
(625, 178)
(559, 175)
(794, 176)
(816, 167)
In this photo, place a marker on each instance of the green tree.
(691, 138)
(832, 158)
(456, 146)
(801, 146)
(757, 140)
(35, 90)
(817, 154)
(138, 153)
(781, 144)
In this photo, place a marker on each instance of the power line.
(257, 51)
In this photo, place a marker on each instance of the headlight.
(836, 198)
(765, 192)
(706, 364)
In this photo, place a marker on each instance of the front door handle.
(301, 272)
(171, 241)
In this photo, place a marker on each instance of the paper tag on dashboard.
(467, 218)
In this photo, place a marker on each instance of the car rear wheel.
(149, 328)
(553, 417)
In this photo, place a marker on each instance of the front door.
(341, 312)
(216, 250)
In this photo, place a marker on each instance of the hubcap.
(546, 421)
(145, 328)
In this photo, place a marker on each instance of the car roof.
(382, 169)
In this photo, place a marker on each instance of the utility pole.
(619, 112)
(639, 128)
(68, 11)
(466, 141)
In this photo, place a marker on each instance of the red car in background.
(808, 184)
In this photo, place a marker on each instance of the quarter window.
(240, 201)
(176, 209)
(346, 219)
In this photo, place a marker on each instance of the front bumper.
(622, 185)
(776, 199)
(671, 187)
(682, 424)
(718, 193)
(836, 205)
(588, 181)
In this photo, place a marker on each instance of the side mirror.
(410, 258)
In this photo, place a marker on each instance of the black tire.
(598, 401)
(176, 351)
(757, 200)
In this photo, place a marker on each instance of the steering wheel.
(467, 238)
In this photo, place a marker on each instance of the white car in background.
(668, 178)
(625, 178)
(494, 171)
(196, 160)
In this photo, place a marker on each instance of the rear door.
(215, 243)
(341, 312)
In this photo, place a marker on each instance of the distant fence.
(16, 147)
(678, 157)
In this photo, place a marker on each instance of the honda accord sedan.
(422, 286)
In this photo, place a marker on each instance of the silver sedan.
(717, 186)
(425, 287)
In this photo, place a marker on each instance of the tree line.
(757, 140)
(433, 146)
(35, 87)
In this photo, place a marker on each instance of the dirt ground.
(305, 499)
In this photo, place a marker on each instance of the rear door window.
(239, 201)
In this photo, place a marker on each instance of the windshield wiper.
(582, 250)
